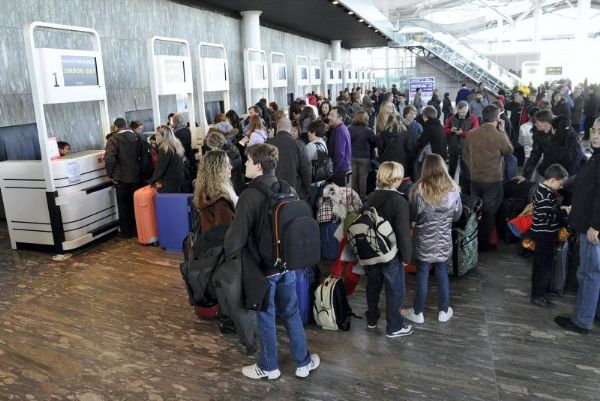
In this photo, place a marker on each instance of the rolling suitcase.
(145, 216)
(329, 244)
(173, 215)
(558, 281)
(305, 279)
(464, 248)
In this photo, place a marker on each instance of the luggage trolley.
(213, 71)
(301, 77)
(59, 204)
(256, 76)
(278, 80)
(172, 75)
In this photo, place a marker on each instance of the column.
(581, 40)
(251, 29)
(336, 50)
(251, 40)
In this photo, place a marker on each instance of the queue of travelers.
(379, 136)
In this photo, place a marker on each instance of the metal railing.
(417, 32)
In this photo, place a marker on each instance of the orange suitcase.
(145, 217)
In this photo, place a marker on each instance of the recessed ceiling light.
(361, 20)
(335, 2)
(376, 30)
(369, 26)
(350, 12)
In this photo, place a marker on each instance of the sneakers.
(410, 314)
(406, 330)
(304, 371)
(445, 316)
(254, 372)
(370, 324)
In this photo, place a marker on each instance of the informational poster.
(427, 85)
(52, 149)
(73, 172)
(79, 70)
(317, 72)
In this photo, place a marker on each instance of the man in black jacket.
(585, 219)
(297, 169)
(122, 166)
(248, 228)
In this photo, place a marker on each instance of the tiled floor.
(113, 323)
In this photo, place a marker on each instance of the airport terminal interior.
(96, 299)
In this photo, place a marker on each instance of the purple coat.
(340, 149)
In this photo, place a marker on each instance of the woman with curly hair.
(213, 194)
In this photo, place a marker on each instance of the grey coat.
(432, 236)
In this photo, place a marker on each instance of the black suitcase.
(561, 265)
(572, 283)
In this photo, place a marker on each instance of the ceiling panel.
(316, 19)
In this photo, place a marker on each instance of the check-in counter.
(82, 207)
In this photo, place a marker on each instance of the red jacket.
(467, 124)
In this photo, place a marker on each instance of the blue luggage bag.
(173, 216)
(329, 244)
(305, 279)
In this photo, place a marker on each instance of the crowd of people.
(473, 147)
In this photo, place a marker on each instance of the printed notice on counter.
(73, 172)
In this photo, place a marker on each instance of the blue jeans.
(588, 277)
(284, 302)
(392, 273)
(441, 276)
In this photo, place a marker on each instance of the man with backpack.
(122, 162)
(380, 237)
(254, 234)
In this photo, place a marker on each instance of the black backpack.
(289, 238)
(323, 166)
(144, 154)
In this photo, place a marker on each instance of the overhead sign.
(426, 84)
(79, 70)
(554, 70)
